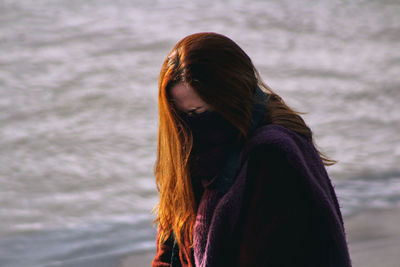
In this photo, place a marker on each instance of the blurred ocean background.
(78, 109)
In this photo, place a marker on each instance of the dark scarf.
(213, 139)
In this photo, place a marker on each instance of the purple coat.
(282, 209)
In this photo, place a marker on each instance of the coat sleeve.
(278, 226)
(164, 252)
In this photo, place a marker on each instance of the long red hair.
(224, 76)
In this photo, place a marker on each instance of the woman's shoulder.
(278, 138)
(269, 147)
(275, 151)
(280, 143)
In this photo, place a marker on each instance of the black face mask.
(209, 128)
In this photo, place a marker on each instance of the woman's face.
(187, 100)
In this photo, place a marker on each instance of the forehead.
(182, 91)
(184, 96)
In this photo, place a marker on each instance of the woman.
(240, 180)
